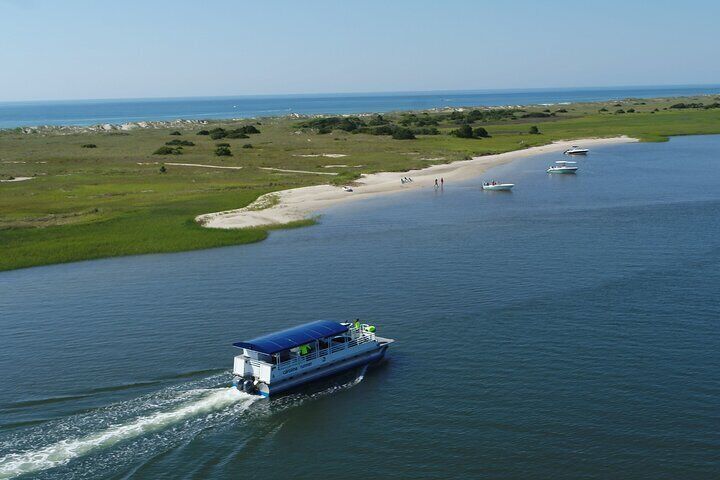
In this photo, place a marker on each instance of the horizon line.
(361, 93)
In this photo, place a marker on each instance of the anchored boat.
(497, 186)
(283, 360)
(575, 150)
(563, 166)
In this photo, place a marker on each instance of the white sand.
(300, 203)
(17, 179)
(190, 165)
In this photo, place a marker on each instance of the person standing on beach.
(436, 183)
(442, 181)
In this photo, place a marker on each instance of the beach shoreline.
(287, 206)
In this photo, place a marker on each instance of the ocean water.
(92, 112)
(568, 329)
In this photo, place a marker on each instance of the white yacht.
(575, 150)
(280, 361)
(563, 166)
(497, 186)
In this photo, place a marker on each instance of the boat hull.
(499, 188)
(365, 358)
(562, 170)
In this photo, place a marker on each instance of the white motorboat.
(575, 150)
(497, 186)
(283, 360)
(563, 167)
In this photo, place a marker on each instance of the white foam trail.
(62, 452)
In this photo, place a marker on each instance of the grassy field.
(85, 203)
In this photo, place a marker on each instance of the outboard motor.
(248, 386)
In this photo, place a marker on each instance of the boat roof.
(293, 337)
(563, 162)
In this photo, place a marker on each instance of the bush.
(217, 135)
(603, 109)
(236, 134)
(619, 110)
(203, 132)
(175, 133)
(223, 151)
(465, 131)
(324, 130)
(184, 143)
(168, 151)
(89, 145)
(222, 145)
(480, 132)
(247, 145)
(630, 110)
(249, 129)
(534, 130)
(562, 110)
(536, 115)
(401, 133)
(163, 169)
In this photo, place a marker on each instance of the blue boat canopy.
(293, 337)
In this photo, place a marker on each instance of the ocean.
(567, 329)
(93, 112)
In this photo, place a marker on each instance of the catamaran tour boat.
(279, 361)
(575, 150)
(563, 166)
(497, 186)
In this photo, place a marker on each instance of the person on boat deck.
(357, 323)
(304, 349)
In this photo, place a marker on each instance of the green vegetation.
(175, 133)
(223, 150)
(118, 199)
(534, 130)
(88, 145)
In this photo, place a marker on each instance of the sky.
(85, 49)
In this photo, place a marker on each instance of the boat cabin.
(281, 353)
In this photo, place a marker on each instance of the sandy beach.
(299, 203)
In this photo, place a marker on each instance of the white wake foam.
(61, 452)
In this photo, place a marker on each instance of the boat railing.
(359, 337)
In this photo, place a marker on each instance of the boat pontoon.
(575, 150)
(563, 166)
(283, 360)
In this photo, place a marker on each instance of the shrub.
(222, 145)
(249, 129)
(630, 110)
(223, 151)
(89, 145)
(480, 132)
(184, 143)
(619, 110)
(324, 130)
(163, 169)
(175, 133)
(247, 145)
(534, 130)
(218, 135)
(168, 151)
(618, 105)
(401, 133)
(465, 131)
(203, 132)
(236, 134)
(603, 109)
(536, 115)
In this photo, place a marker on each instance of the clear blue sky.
(155, 48)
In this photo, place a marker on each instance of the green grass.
(86, 203)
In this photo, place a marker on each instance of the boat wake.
(107, 439)
(210, 405)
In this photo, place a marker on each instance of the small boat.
(575, 150)
(563, 167)
(347, 189)
(283, 360)
(504, 187)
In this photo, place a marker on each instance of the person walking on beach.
(436, 183)
(442, 182)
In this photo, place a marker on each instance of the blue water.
(566, 330)
(91, 112)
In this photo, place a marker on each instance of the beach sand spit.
(300, 203)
